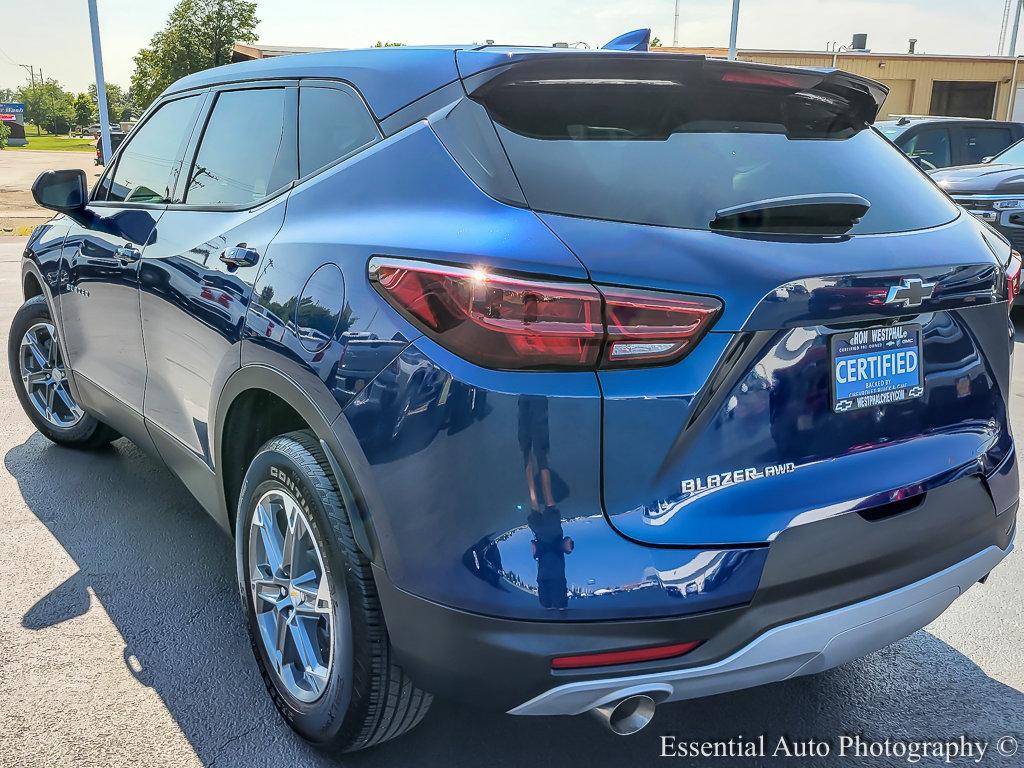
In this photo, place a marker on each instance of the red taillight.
(1013, 277)
(495, 320)
(513, 323)
(644, 326)
(632, 656)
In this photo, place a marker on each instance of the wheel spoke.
(292, 533)
(51, 393)
(309, 659)
(69, 402)
(282, 634)
(31, 343)
(36, 377)
(264, 519)
(267, 590)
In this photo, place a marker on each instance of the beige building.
(919, 83)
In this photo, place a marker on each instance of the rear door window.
(333, 123)
(147, 168)
(929, 145)
(981, 142)
(247, 150)
(674, 153)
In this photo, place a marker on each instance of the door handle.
(127, 254)
(240, 256)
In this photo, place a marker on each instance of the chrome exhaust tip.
(626, 716)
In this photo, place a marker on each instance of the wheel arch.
(277, 404)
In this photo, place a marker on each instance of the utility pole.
(101, 83)
(675, 28)
(736, 22)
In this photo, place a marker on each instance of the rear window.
(676, 152)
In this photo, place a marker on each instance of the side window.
(984, 142)
(247, 151)
(930, 145)
(147, 167)
(333, 122)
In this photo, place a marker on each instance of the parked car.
(116, 137)
(556, 381)
(993, 191)
(939, 142)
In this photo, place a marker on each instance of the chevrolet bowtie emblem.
(910, 293)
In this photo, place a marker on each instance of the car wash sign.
(12, 115)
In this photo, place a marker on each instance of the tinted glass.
(146, 169)
(674, 154)
(247, 151)
(891, 129)
(930, 145)
(1012, 156)
(984, 142)
(332, 124)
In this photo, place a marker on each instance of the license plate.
(876, 366)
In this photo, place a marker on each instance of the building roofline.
(716, 51)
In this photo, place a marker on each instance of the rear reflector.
(632, 656)
(512, 323)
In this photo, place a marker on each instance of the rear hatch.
(861, 358)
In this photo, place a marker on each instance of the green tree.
(5, 133)
(6, 94)
(656, 42)
(48, 106)
(198, 35)
(379, 44)
(120, 105)
(85, 110)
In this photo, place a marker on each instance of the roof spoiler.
(863, 96)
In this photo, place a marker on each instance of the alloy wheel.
(45, 377)
(291, 596)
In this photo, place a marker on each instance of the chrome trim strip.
(799, 648)
(986, 197)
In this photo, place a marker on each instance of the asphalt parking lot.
(18, 169)
(121, 643)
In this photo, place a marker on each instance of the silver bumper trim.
(802, 647)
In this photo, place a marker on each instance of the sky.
(54, 35)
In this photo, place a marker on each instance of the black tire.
(89, 433)
(368, 699)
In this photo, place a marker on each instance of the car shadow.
(164, 573)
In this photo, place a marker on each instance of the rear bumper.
(856, 571)
(799, 648)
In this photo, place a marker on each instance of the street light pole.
(675, 28)
(30, 68)
(101, 83)
(732, 29)
(1013, 34)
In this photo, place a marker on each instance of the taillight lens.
(1013, 277)
(495, 320)
(511, 323)
(648, 327)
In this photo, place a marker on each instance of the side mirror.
(62, 191)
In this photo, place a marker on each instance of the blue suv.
(556, 381)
